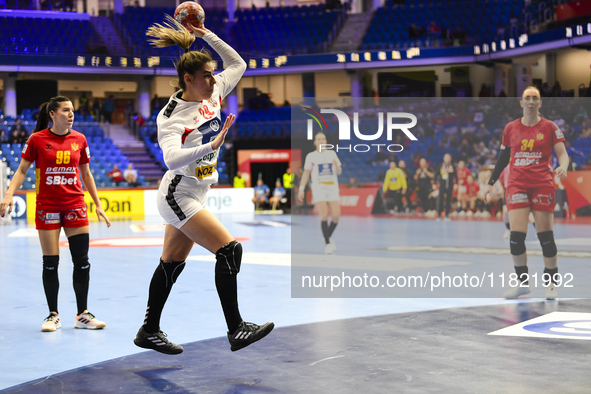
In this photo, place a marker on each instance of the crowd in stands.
(302, 29)
(469, 130)
(14, 133)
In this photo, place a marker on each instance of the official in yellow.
(394, 188)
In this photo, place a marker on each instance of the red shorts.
(51, 219)
(538, 198)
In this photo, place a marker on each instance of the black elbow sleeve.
(504, 159)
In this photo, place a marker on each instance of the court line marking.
(581, 330)
(324, 359)
(334, 261)
(480, 250)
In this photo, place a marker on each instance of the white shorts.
(178, 200)
(322, 192)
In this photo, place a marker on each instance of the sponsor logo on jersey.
(71, 216)
(52, 215)
(208, 157)
(206, 113)
(529, 155)
(519, 198)
(559, 134)
(87, 152)
(205, 171)
(212, 102)
(75, 147)
(523, 159)
(209, 130)
(214, 125)
(540, 137)
(325, 169)
(25, 148)
(61, 180)
(47, 146)
(60, 170)
(543, 199)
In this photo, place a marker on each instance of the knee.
(229, 259)
(50, 264)
(548, 245)
(172, 270)
(517, 241)
(81, 268)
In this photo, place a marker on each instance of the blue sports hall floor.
(319, 345)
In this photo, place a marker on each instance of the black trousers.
(424, 198)
(447, 192)
(394, 200)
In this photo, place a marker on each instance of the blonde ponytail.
(174, 33)
(169, 34)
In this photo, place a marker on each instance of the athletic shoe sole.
(52, 329)
(97, 327)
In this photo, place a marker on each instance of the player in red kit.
(461, 188)
(471, 196)
(499, 194)
(61, 158)
(527, 146)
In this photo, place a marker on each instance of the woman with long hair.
(61, 156)
(191, 134)
(527, 148)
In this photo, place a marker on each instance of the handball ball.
(190, 12)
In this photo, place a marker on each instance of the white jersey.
(187, 128)
(322, 168)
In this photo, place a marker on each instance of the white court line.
(335, 261)
(481, 250)
(568, 241)
(324, 359)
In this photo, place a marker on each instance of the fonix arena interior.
(458, 66)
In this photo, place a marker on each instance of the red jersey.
(472, 189)
(462, 175)
(504, 178)
(57, 158)
(531, 152)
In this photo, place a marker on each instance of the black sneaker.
(156, 341)
(248, 333)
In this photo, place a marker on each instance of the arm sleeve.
(502, 162)
(174, 155)
(235, 65)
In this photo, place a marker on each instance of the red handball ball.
(190, 12)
